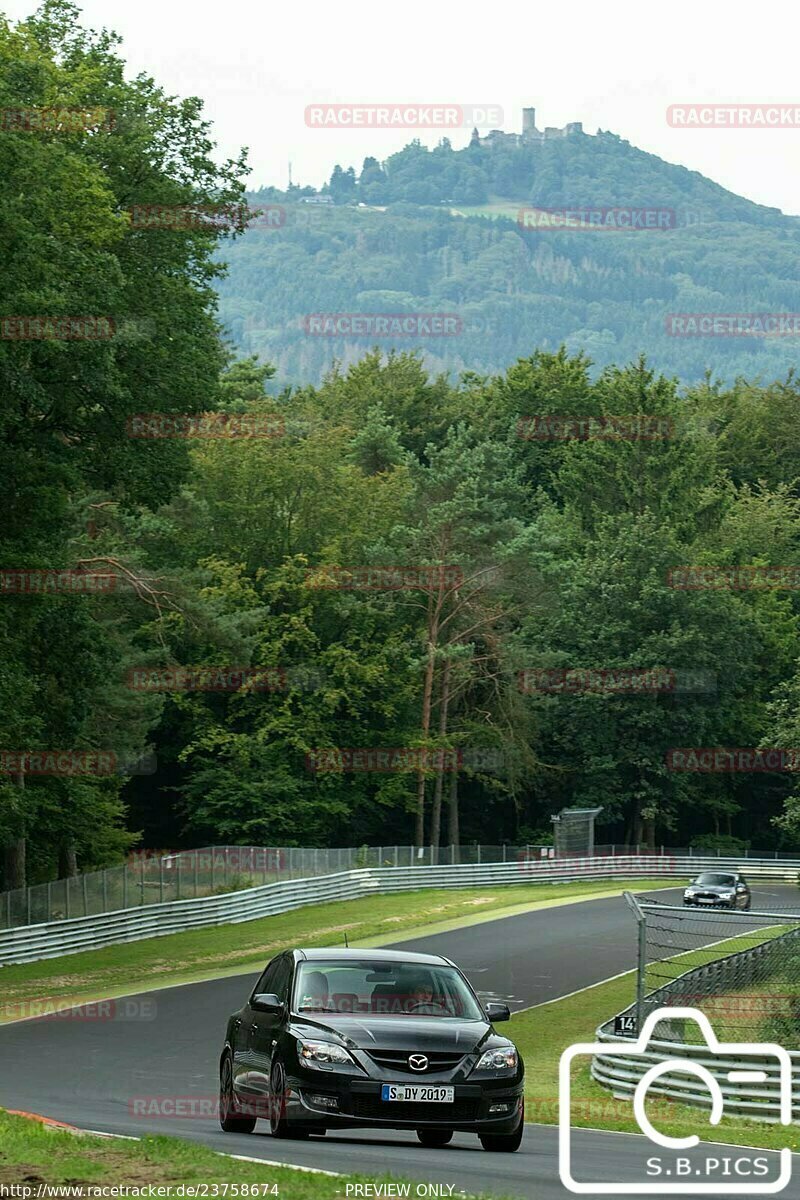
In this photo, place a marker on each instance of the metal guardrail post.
(641, 956)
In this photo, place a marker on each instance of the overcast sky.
(614, 66)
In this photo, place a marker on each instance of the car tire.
(503, 1142)
(279, 1126)
(435, 1137)
(229, 1121)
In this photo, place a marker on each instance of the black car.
(372, 1038)
(719, 889)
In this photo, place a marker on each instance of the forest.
(531, 585)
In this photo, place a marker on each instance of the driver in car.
(420, 995)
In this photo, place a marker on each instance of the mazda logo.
(418, 1062)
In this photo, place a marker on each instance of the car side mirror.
(267, 1002)
(497, 1012)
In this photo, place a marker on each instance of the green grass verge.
(237, 949)
(542, 1033)
(32, 1154)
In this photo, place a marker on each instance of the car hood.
(400, 1033)
(715, 888)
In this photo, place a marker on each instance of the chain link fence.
(742, 969)
(153, 878)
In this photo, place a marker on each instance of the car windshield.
(384, 989)
(712, 879)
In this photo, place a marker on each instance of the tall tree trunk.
(452, 818)
(427, 695)
(634, 834)
(650, 833)
(67, 862)
(436, 811)
(14, 872)
(15, 853)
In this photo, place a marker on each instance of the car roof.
(719, 871)
(354, 955)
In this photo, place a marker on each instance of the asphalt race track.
(91, 1073)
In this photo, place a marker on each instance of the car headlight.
(727, 895)
(323, 1054)
(688, 892)
(502, 1058)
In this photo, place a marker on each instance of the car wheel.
(229, 1121)
(503, 1142)
(435, 1137)
(279, 1126)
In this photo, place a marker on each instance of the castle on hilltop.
(530, 134)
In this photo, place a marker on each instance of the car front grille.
(374, 1108)
(397, 1060)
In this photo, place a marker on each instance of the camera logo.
(766, 1055)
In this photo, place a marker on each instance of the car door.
(265, 1027)
(243, 1066)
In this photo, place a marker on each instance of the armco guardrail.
(155, 877)
(51, 939)
(621, 1071)
(621, 1074)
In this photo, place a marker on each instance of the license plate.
(703, 900)
(418, 1093)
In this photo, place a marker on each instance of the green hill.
(411, 235)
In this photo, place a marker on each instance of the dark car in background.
(718, 889)
(370, 1038)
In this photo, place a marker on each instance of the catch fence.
(739, 969)
(152, 877)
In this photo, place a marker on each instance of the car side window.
(267, 981)
(280, 984)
